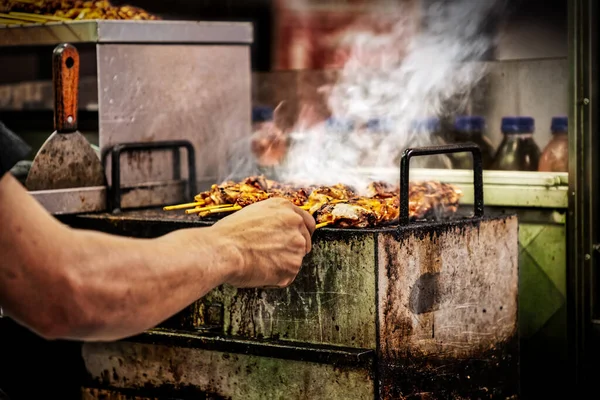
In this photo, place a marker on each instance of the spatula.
(66, 159)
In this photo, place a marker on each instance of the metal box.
(159, 81)
(385, 313)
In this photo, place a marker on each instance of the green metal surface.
(332, 300)
(508, 188)
(519, 196)
(542, 300)
(491, 177)
(542, 262)
(501, 188)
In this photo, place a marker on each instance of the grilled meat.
(433, 198)
(242, 194)
(346, 215)
(77, 9)
(340, 205)
(249, 191)
(338, 192)
(382, 190)
(297, 196)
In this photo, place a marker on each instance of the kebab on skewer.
(337, 205)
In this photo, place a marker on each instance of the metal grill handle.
(435, 150)
(175, 145)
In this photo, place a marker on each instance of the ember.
(338, 205)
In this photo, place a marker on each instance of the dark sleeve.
(12, 149)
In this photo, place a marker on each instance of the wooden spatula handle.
(65, 68)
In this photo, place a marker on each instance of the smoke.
(398, 77)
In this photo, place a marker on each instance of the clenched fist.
(272, 237)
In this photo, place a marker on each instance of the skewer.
(4, 21)
(323, 224)
(194, 211)
(207, 208)
(48, 18)
(26, 18)
(22, 20)
(184, 206)
(227, 209)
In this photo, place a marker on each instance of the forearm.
(65, 283)
(124, 286)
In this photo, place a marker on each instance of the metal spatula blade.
(66, 159)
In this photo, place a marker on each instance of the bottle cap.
(430, 124)
(559, 124)
(518, 125)
(469, 124)
(378, 125)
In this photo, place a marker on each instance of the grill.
(424, 309)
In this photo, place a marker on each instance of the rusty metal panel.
(438, 302)
(332, 300)
(143, 367)
(448, 310)
(151, 92)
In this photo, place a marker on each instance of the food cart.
(243, 344)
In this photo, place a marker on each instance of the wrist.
(228, 252)
(206, 249)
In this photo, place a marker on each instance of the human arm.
(65, 283)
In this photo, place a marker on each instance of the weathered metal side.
(185, 373)
(438, 302)
(448, 310)
(332, 300)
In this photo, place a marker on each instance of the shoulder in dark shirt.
(12, 149)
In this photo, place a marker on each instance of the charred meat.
(336, 205)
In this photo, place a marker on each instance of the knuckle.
(297, 219)
(299, 241)
(311, 221)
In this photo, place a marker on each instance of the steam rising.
(397, 77)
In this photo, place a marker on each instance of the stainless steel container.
(154, 81)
